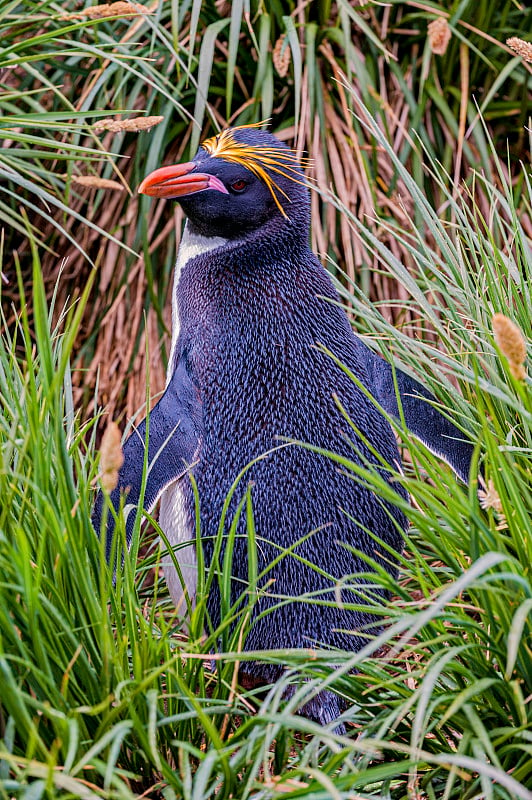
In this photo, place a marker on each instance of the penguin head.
(239, 182)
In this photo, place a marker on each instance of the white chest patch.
(192, 245)
(174, 521)
(173, 517)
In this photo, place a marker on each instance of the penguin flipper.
(421, 416)
(173, 434)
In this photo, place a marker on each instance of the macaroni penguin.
(258, 340)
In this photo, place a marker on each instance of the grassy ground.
(101, 694)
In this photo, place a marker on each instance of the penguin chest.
(178, 527)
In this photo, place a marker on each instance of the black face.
(223, 198)
(247, 206)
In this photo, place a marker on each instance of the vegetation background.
(415, 116)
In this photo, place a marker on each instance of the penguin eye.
(239, 185)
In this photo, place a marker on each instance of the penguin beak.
(179, 180)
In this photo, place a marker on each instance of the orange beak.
(179, 180)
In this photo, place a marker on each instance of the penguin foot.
(324, 708)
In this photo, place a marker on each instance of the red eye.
(239, 186)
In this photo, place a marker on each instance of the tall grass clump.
(105, 694)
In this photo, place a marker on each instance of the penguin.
(256, 400)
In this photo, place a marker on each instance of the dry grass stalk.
(281, 56)
(95, 182)
(522, 48)
(118, 9)
(111, 457)
(511, 343)
(439, 35)
(356, 190)
(129, 125)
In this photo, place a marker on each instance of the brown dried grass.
(120, 364)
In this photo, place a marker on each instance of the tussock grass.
(103, 693)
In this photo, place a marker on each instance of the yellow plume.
(260, 161)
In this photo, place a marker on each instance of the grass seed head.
(119, 9)
(223, 7)
(489, 497)
(522, 48)
(111, 457)
(95, 182)
(439, 35)
(511, 343)
(129, 125)
(281, 56)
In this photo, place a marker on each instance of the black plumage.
(258, 335)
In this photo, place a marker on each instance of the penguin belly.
(178, 527)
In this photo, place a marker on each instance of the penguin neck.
(192, 245)
(258, 274)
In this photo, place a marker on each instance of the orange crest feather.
(260, 161)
